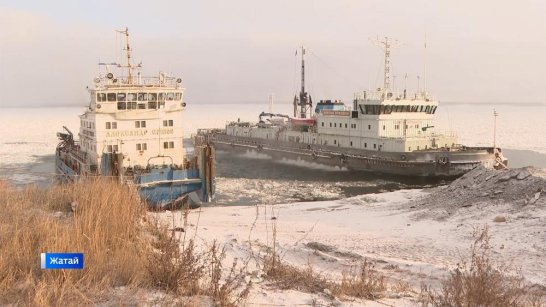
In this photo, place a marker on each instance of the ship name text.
(138, 132)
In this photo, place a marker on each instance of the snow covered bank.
(400, 232)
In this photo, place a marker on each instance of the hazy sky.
(242, 50)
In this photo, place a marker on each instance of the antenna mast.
(386, 45)
(128, 51)
(495, 114)
(425, 66)
(304, 101)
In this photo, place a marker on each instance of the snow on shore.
(405, 240)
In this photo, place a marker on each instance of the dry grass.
(105, 226)
(122, 247)
(361, 282)
(365, 283)
(479, 282)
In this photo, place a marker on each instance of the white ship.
(132, 131)
(383, 132)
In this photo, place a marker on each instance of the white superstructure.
(380, 120)
(138, 117)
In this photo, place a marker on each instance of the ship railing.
(430, 135)
(378, 94)
(123, 81)
(79, 155)
(443, 133)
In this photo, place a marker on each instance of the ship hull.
(440, 164)
(163, 187)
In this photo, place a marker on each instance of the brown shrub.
(478, 282)
(122, 246)
(365, 283)
(105, 226)
(172, 269)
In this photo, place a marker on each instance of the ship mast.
(386, 45)
(128, 51)
(304, 101)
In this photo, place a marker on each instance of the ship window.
(340, 126)
(345, 125)
(152, 105)
(388, 109)
(142, 96)
(108, 126)
(335, 125)
(409, 148)
(161, 96)
(168, 123)
(144, 146)
(114, 125)
(168, 145)
(365, 145)
(115, 148)
(152, 96)
(162, 105)
(138, 147)
(369, 127)
(351, 143)
(111, 96)
(170, 96)
(131, 105)
(383, 127)
(427, 109)
(330, 124)
(426, 146)
(140, 124)
(408, 108)
(101, 97)
(374, 146)
(417, 126)
(322, 124)
(131, 97)
(178, 96)
(335, 142)
(109, 148)
(121, 96)
(421, 108)
(417, 147)
(142, 106)
(122, 105)
(433, 110)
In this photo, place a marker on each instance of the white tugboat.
(383, 132)
(132, 131)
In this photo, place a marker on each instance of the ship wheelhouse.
(394, 124)
(140, 120)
